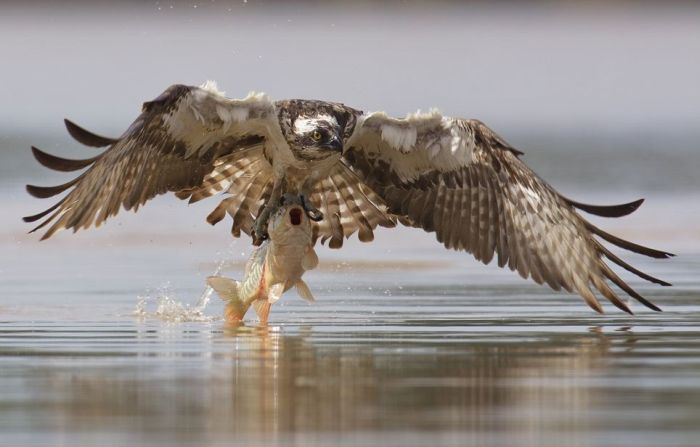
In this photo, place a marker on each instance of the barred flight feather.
(483, 199)
(171, 146)
(357, 208)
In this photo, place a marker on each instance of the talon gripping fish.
(274, 267)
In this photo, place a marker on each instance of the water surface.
(407, 345)
(441, 351)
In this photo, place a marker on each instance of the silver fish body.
(274, 267)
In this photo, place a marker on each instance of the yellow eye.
(316, 135)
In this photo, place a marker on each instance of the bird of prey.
(354, 171)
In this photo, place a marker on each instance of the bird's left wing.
(171, 146)
(459, 179)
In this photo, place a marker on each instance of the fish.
(274, 267)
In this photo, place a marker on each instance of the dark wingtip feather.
(623, 307)
(35, 217)
(58, 163)
(646, 302)
(629, 290)
(86, 137)
(608, 293)
(42, 192)
(627, 245)
(46, 221)
(611, 256)
(606, 210)
(642, 300)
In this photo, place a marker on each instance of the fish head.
(289, 220)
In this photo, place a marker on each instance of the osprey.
(354, 171)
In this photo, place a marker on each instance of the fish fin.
(262, 309)
(229, 291)
(310, 259)
(225, 287)
(304, 291)
(234, 311)
(275, 292)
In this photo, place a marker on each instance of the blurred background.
(409, 344)
(602, 97)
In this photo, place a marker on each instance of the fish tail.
(229, 291)
(262, 308)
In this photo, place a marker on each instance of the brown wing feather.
(247, 176)
(171, 146)
(354, 207)
(459, 179)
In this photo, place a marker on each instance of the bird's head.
(316, 137)
(316, 130)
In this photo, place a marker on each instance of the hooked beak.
(334, 144)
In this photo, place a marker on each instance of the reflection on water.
(440, 351)
(400, 384)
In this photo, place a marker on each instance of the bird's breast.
(298, 172)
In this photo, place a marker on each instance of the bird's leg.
(260, 226)
(314, 213)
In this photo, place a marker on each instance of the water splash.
(208, 290)
(170, 309)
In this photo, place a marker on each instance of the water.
(107, 337)
(465, 360)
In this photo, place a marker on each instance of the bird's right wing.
(171, 146)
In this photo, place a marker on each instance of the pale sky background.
(604, 100)
(554, 67)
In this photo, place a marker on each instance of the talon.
(257, 241)
(315, 215)
(259, 235)
(311, 211)
(260, 227)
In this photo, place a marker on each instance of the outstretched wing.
(171, 146)
(459, 179)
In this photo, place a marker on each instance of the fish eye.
(316, 135)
